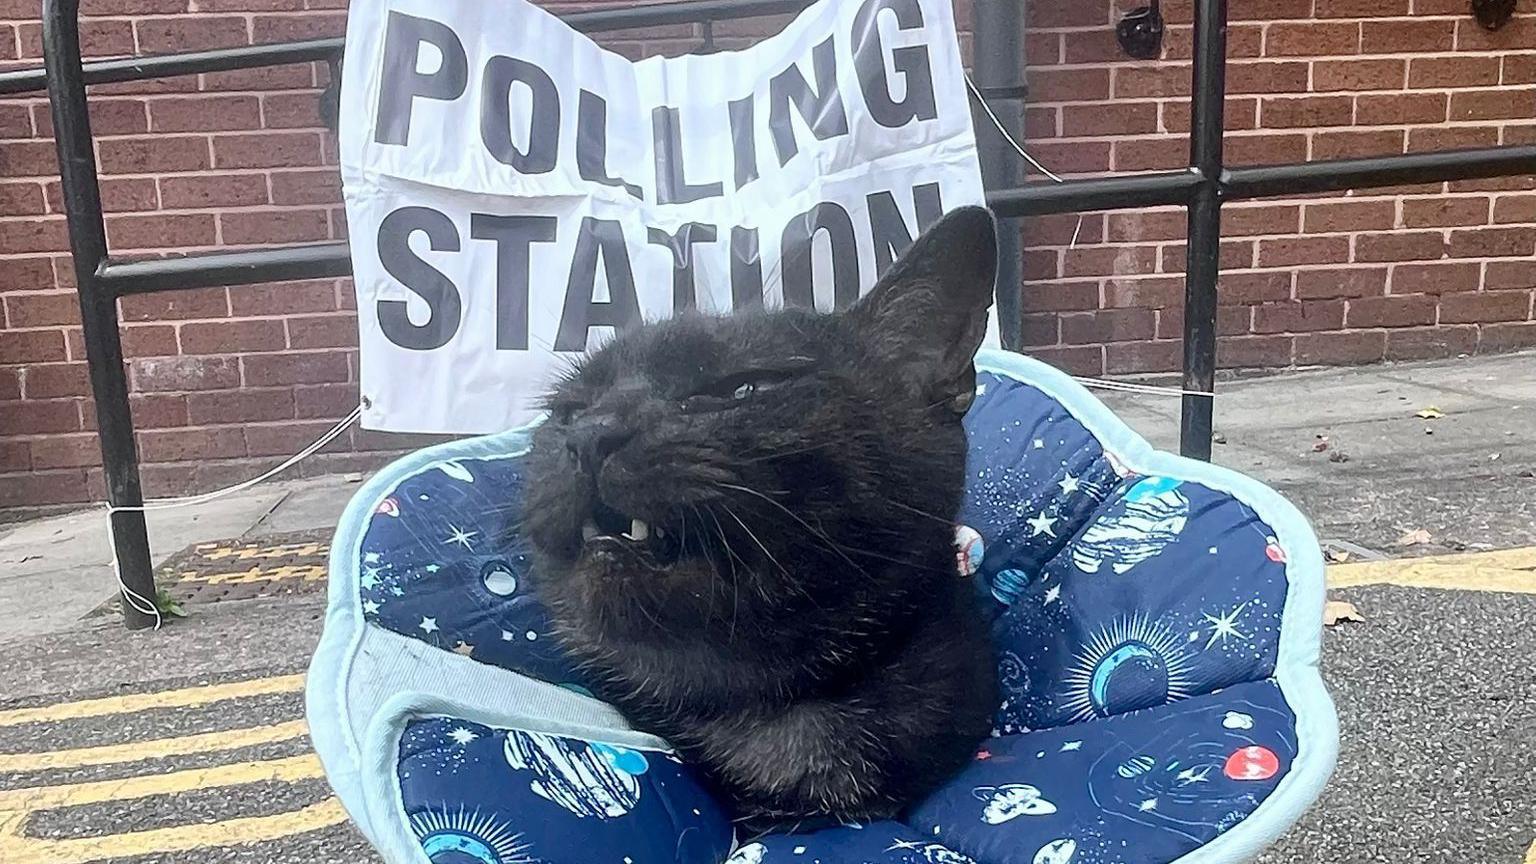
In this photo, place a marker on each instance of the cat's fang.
(638, 531)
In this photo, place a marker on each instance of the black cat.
(745, 529)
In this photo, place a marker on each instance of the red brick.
(1492, 242)
(267, 150)
(1060, 297)
(1460, 71)
(275, 226)
(1141, 225)
(1245, 221)
(97, 38)
(1151, 154)
(240, 406)
(153, 155)
(1431, 343)
(1234, 255)
(1400, 246)
(1250, 287)
(288, 438)
(33, 235)
(1109, 260)
(1349, 75)
(28, 159)
(1402, 37)
(1265, 149)
(1434, 139)
(1506, 275)
(40, 417)
(1069, 158)
(1254, 352)
(271, 370)
(1505, 103)
(213, 190)
(1298, 317)
(1519, 34)
(1107, 325)
(161, 231)
(1035, 330)
(1142, 82)
(1516, 183)
(160, 306)
(149, 340)
(1243, 40)
(15, 122)
(149, 410)
(42, 310)
(1392, 109)
(185, 445)
(233, 336)
(289, 28)
(1134, 357)
(291, 111)
(32, 346)
(1291, 251)
(118, 195)
(191, 33)
(1353, 144)
(1266, 77)
(22, 199)
(1518, 69)
(1306, 111)
(1485, 306)
(65, 451)
(290, 297)
(1040, 123)
(1237, 114)
(1145, 293)
(41, 488)
(1330, 217)
(1113, 118)
(177, 374)
(55, 381)
(1335, 282)
(25, 274)
(1506, 337)
(265, 79)
(14, 456)
(1074, 360)
(1514, 208)
(1440, 278)
(323, 331)
(1311, 39)
(327, 400)
(1061, 229)
(1092, 46)
(1361, 346)
(1444, 211)
(1394, 311)
(1361, 8)
(205, 113)
(1041, 264)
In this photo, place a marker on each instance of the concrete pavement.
(111, 740)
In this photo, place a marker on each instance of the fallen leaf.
(1218, 438)
(1338, 610)
(1417, 537)
(1338, 456)
(1430, 413)
(1336, 556)
(1321, 444)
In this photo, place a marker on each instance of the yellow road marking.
(145, 701)
(245, 553)
(112, 754)
(289, 769)
(14, 846)
(307, 572)
(1507, 570)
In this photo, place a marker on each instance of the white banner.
(515, 192)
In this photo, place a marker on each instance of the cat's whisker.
(828, 541)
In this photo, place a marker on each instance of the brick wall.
(1410, 273)
(226, 381)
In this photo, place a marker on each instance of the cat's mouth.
(608, 527)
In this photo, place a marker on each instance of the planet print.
(969, 550)
(1252, 763)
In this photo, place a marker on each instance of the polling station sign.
(515, 193)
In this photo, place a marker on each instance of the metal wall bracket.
(1493, 14)
(1141, 32)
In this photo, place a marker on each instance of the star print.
(463, 737)
(461, 537)
(371, 558)
(984, 755)
(432, 568)
(1039, 443)
(464, 649)
(1148, 805)
(1194, 635)
(397, 591)
(1054, 594)
(1190, 775)
(531, 636)
(1041, 525)
(981, 389)
(370, 607)
(370, 577)
(507, 636)
(428, 625)
(1071, 745)
(904, 845)
(1068, 485)
(1226, 625)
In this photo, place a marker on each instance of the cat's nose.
(592, 442)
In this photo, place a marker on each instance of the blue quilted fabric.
(1157, 622)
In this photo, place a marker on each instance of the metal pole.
(98, 307)
(1203, 264)
(999, 66)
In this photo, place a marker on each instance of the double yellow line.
(1508, 570)
(17, 805)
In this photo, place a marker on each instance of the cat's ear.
(928, 314)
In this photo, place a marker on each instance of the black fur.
(797, 627)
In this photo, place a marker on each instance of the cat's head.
(703, 472)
